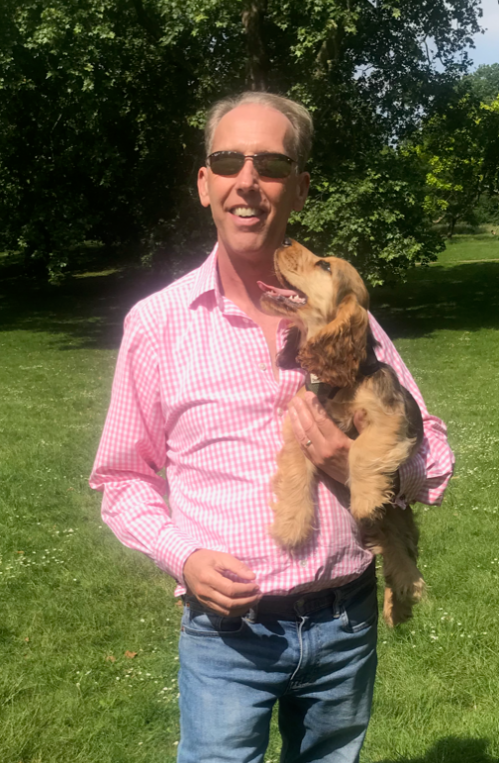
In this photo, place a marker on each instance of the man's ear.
(203, 190)
(302, 187)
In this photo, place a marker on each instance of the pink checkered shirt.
(194, 393)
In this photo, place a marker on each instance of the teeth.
(245, 212)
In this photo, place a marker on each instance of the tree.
(103, 102)
(484, 83)
(459, 148)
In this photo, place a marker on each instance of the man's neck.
(239, 276)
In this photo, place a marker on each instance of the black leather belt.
(300, 604)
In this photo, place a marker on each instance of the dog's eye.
(324, 265)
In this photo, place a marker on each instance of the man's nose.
(248, 176)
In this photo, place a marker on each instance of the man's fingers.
(324, 423)
(209, 575)
(229, 588)
(307, 420)
(230, 607)
(302, 421)
(229, 563)
(225, 596)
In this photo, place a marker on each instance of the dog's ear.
(336, 351)
(287, 358)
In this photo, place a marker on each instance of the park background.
(101, 114)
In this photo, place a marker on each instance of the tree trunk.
(452, 226)
(258, 61)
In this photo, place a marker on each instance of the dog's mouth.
(288, 296)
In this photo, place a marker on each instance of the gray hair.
(301, 121)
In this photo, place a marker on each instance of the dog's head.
(326, 300)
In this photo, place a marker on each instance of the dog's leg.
(395, 536)
(293, 485)
(373, 459)
(395, 610)
(401, 553)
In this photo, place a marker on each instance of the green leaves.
(459, 149)
(100, 126)
(375, 219)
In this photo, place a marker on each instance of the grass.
(76, 605)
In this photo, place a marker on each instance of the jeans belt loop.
(251, 614)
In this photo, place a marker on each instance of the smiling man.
(197, 392)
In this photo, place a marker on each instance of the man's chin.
(251, 244)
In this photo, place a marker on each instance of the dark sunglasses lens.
(226, 164)
(273, 166)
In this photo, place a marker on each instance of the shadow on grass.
(462, 297)
(452, 750)
(90, 310)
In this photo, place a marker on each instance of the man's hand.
(204, 574)
(329, 446)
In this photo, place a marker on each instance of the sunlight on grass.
(74, 602)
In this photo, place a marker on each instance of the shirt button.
(280, 411)
(303, 563)
(262, 366)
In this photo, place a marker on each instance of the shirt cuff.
(412, 479)
(172, 551)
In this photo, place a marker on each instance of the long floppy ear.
(335, 352)
(287, 358)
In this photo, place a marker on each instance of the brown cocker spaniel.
(327, 301)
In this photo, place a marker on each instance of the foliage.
(92, 125)
(373, 219)
(103, 101)
(459, 146)
(484, 82)
(487, 210)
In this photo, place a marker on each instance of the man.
(197, 391)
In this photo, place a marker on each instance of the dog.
(327, 302)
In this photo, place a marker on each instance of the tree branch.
(145, 21)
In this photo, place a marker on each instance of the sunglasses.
(267, 165)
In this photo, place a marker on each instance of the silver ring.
(308, 443)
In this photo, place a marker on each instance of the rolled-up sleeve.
(424, 477)
(132, 452)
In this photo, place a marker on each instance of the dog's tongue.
(275, 290)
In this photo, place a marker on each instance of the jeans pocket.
(360, 610)
(197, 621)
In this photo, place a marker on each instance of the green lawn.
(74, 602)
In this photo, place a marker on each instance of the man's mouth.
(246, 212)
(292, 297)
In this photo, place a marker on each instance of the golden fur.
(331, 338)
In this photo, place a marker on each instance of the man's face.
(251, 212)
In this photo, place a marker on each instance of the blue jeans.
(320, 666)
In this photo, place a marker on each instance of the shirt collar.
(207, 280)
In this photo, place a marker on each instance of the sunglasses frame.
(255, 157)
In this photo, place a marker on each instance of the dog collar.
(323, 390)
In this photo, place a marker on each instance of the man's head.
(300, 138)
(251, 200)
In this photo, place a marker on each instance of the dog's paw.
(288, 531)
(365, 509)
(396, 611)
(408, 586)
